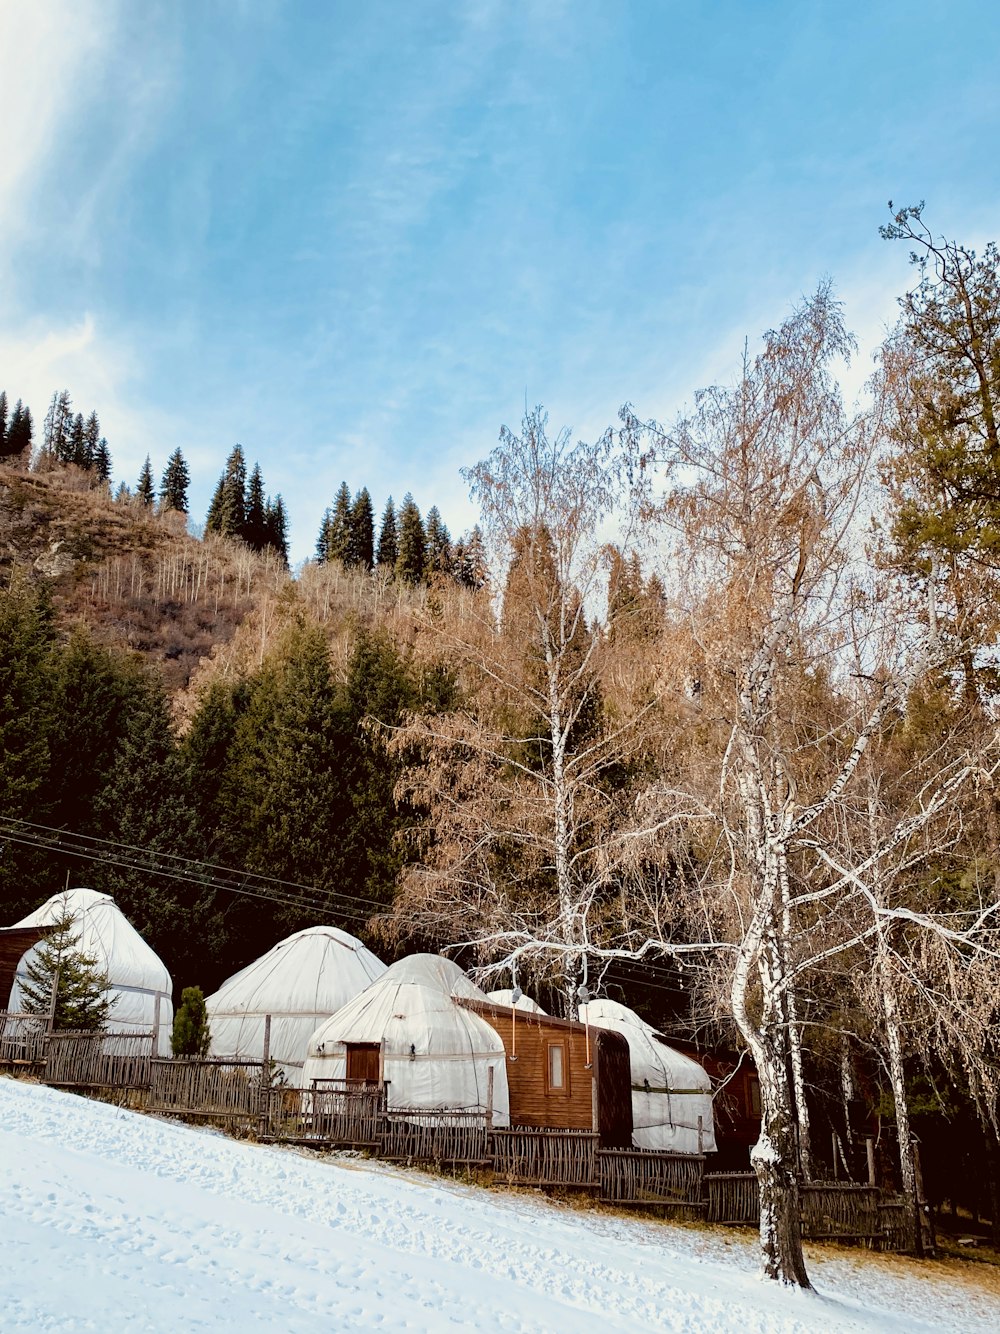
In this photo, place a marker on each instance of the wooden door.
(363, 1061)
(614, 1089)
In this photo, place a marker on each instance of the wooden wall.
(533, 1102)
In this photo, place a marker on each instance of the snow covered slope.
(114, 1221)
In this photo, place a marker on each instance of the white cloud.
(48, 47)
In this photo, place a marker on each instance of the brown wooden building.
(562, 1075)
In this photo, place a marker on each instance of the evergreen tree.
(91, 440)
(276, 527)
(26, 640)
(123, 494)
(323, 537)
(90, 687)
(470, 560)
(102, 461)
(361, 547)
(20, 430)
(144, 490)
(337, 538)
(227, 512)
(411, 556)
(76, 448)
(3, 422)
(57, 426)
(145, 803)
(83, 989)
(174, 484)
(438, 544)
(388, 538)
(191, 1036)
(255, 524)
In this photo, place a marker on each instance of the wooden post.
(156, 1025)
(833, 1141)
(701, 1136)
(925, 1223)
(870, 1149)
(489, 1097)
(265, 1075)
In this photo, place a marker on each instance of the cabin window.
(557, 1071)
(363, 1061)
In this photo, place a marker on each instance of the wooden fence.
(419, 1136)
(830, 1210)
(334, 1113)
(22, 1038)
(546, 1157)
(647, 1176)
(234, 1092)
(110, 1061)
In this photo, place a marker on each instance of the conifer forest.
(702, 713)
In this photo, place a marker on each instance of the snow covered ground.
(111, 1221)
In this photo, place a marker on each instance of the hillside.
(111, 1219)
(138, 580)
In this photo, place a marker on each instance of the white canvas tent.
(435, 1054)
(670, 1091)
(299, 983)
(523, 1002)
(138, 977)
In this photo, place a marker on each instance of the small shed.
(671, 1092)
(561, 1075)
(406, 1029)
(299, 983)
(139, 979)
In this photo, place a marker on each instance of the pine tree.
(227, 512)
(388, 539)
(438, 555)
(57, 426)
(338, 529)
(83, 990)
(361, 547)
(144, 490)
(102, 461)
(276, 527)
(174, 484)
(255, 523)
(91, 440)
(323, 537)
(76, 448)
(470, 560)
(191, 1036)
(3, 422)
(145, 803)
(410, 558)
(19, 434)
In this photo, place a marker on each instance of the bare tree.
(519, 839)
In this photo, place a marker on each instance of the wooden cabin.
(562, 1075)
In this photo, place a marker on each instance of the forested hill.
(136, 578)
(168, 697)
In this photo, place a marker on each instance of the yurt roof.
(314, 971)
(651, 1058)
(412, 1002)
(107, 934)
(505, 997)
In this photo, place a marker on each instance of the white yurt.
(299, 983)
(435, 1054)
(670, 1091)
(138, 977)
(506, 997)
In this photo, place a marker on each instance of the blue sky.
(356, 238)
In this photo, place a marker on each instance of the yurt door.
(363, 1061)
(614, 1090)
